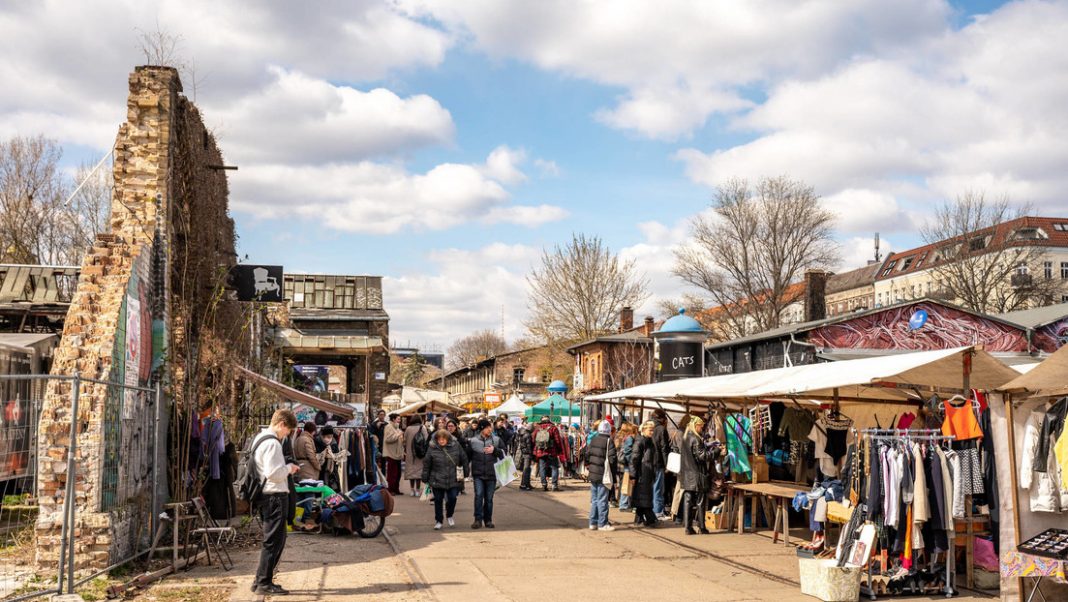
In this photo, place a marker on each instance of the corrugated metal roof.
(1039, 316)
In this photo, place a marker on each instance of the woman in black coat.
(643, 461)
(693, 476)
(444, 468)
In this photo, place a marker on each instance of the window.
(1064, 298)
(912, 291)
(919, 262)
(1021, 269)
(905, 265)
(977, 244)
(518, 374)
(1029, 234)
(1061, 227)
(1064, 270)
(889, 268)
(1047, 269)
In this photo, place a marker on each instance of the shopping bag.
(427, 495)
(674, 462)
(607, 478)
(505, 471)
(627, 486)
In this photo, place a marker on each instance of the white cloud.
(462, 291)
(548, 168)
(299, 119)
(861, 210)
(858, 250)
(65, 64)
(503, 165)
(978, 108)
(379, 198)
(681, 61)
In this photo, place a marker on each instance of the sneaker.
(490, 525)
(437, 526)
(607, 528)
(593, 527)
(476, 525)
(451, 522)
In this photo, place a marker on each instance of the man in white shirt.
(274, 501)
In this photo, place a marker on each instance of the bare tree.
(90, 207)
(758, 241)
(579, 289)
(628, 364)
(986, 261)
(474, 348)
(695, 306)
(32, 192)
(160, 47)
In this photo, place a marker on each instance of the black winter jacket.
(481, 462)
(526, 441)
(662, 444)
(600, 448)
(439, 465)
(643, 472)
(693, 465)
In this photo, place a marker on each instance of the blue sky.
(444, 143)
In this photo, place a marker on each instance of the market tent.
(299, 396)
(1048, 379)
(513, 407)
(555, 404)
(887, 378)
(432, 405)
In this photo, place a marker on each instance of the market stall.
(1033, 501)
(556, 407)
(436, 406)
(513, 407)
(838, 423)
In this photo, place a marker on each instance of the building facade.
(525, 373)
(614, 361)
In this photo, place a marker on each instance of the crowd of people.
(625, 466)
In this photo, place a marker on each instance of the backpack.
(420, 445)
(543, 440)
(249, 480)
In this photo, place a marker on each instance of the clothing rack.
(915, 436)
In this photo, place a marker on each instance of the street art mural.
(944, 328)
(1053, 336)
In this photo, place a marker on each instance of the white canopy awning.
(513, 407)
(432, 405)
(886, 378)
(1048, 379)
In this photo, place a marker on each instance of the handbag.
(674, 462)
(607, 478)
(459, 469)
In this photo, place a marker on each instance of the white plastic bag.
(674, 462)
(505, 471)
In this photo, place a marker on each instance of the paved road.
(541, 545)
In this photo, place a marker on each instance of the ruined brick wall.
(141, 304)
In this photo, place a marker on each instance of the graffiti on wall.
(945, 328)
(1053, 336)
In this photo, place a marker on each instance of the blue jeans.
(445, 503)
(624, 502)
(547, 464)
(598, 505)
(484, 499)
(658, 492)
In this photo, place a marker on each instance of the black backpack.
(249, 480)
(420, 445)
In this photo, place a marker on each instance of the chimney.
(649, 326)
(626, 319)
(816, 294)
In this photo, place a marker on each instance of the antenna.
(878, 256)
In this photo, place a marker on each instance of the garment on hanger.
(796, 424)
(1046, 491)
(920, 503)
(906, 420)
(827, 465)
(961, 422)
(1050, 431)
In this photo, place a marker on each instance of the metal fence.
(109, 467)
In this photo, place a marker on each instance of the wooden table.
(775, 499)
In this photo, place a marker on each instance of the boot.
(702, 528)
(687, 514)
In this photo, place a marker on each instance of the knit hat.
(545, 419)
(610, 421)
(483, 423)
(605, 428)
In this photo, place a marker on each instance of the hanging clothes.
(737, 431)
(1046, 491)
(961, 422)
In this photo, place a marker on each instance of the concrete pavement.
(540, 549)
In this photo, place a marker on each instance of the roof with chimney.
(852, 279)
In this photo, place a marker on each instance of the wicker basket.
(821, 578)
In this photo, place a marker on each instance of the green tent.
(558, 405)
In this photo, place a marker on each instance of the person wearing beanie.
(601, 462)
(486, 450)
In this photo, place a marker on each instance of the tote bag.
(674, 462)
(505, 471)
(607, 478)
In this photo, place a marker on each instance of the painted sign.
(945, 328)
(257, 283)
(681, 359)
(918, 319)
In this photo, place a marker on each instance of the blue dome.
(557, 386)
(681, 323)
